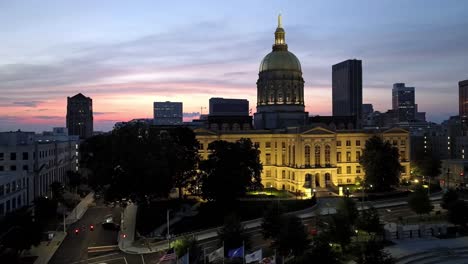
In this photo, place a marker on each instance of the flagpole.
(243, 251)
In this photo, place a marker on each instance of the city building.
(168, 113)
(463, 103)
(30, 163)
(228, 107)
(347, 89)
(300, 154)
(280, 87)
(403, 103)
(80, 116)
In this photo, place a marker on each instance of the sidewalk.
(46, 249)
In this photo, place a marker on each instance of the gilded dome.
(280, 60)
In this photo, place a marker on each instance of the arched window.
(307, 155)
(327, 155)
(317, 156)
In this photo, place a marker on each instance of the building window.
(348, 143)
(2, 190)
(348, 156)
(268, 159)
(19, 201)
(257, 144)
(25, 167)
(283, 158)
(25, 155)
(13, 167)
(293, 176)
(358, 143)
(348, 169)
(8, 188)
(338, 143)
(2, 156)
(13, 203)
(13, 156)
(395, 142)
(283, 174)
(403, 155)
(358, 169)
(307, 155)
(340, 181)
(327, 155)
(358, 156)
(2, 168)
(338, 170)
(283, 146)
(403, 142)
(338, 157)
(403, 169)
(268, 173)
(201, 146)
(317, 156)
(2, 209)
(294, 155)
(348, 180)
(268, 145)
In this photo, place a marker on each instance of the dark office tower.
(463, 102)
(228, 107)
(403, 103)
(80, 116)
(347, 89)
(168, 113)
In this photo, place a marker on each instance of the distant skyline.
(126, 55)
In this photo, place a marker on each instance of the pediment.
(318, 131)
(395, 130)
(204, 131)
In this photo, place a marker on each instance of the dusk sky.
(127, 54)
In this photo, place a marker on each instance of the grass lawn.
(270, 193)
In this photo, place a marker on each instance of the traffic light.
(76, 231)
(91, 227)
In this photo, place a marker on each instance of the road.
(75, 247)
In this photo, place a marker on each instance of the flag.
(269, 260)
(217, 254)
(236, 253)
(184, 259)
(169, 255)
(254, 256)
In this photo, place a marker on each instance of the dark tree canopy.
(458, 213)
(230, 171)
(320, 252)
(419, 201)
(347, 209)
(292, 238)
(449, 197)
(372, 252)
(381, 164)
(271, 224)
(141, 160)
(340, 230)
(429, 166)
(369, 221)
(232, 233)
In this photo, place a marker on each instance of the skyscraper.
(167, 113)
(403, 103)
(463, 103)
(80, 116)
(228, 107)
(347, 89)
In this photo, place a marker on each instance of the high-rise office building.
(168, 113)
(228, 107)
(347, 89)
(403, 103)
(463, 104)
(80, 116)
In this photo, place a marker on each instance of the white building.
(38, 159)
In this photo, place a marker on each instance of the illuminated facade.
(296, 156)
(301, 159)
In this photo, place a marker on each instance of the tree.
(140, 160)
(44, 209)
(271, 224)
(187, 244)
(419, 202)
(369, 221)
(381, 164)
(231, 169)
(232, 233)
(292, 238)
(347, 209)
(57, 190)
(340, 230)
(429, 166)
(372, 252)
(74, 180)
(319, 252)
(19, 231)
(458, 213)
(449, 197)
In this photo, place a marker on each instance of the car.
(110, 226)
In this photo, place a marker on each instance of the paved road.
(75, 247)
